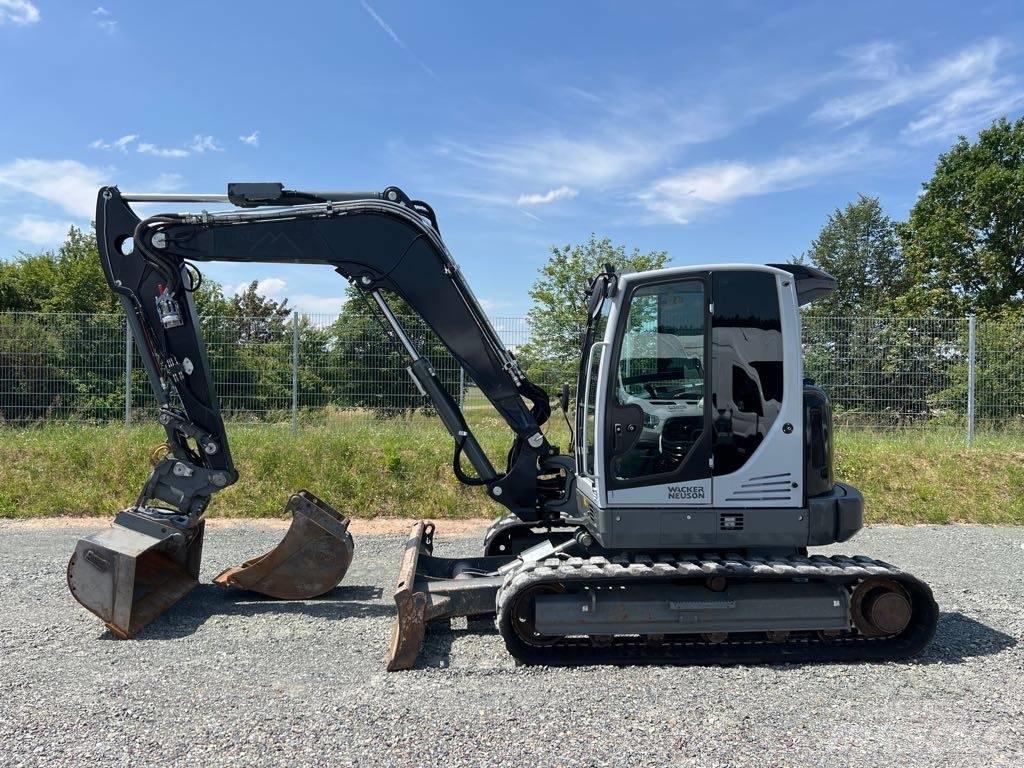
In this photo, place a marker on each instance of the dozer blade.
(135, 570)
(410, 621)
(310, 561)
(432, 588)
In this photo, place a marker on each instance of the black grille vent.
(730, 521)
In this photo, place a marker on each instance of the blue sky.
(720, 132)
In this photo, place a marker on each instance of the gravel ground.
(225, 679)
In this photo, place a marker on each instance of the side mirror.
(563, 399)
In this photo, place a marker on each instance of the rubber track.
(692, 649)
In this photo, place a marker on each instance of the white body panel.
(781, 456)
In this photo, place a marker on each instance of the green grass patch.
(934, 478)
(403, 469)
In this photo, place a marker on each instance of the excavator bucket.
(148, 560)
(311, 559)
(130, 573)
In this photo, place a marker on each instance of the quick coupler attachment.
(433, 588)
(311, 559)
(130, 573)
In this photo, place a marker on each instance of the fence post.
(971, 326)
(462, 387)
(295, 372)
(127, 372)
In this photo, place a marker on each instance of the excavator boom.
(384, 243)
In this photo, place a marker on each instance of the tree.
(964, 240)
(60, 363)
(369, 366)
(859, 247)
(259, 318)
(68, 280)
(558, 317)
(851, 344)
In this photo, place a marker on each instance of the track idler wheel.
(880, 607)
(310, 561)
(524, 617)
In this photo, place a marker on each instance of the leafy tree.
(368, 366)
(871, 366)
(68, 280)
(859, 247)
(964, 240)
(558, 317)
(259, 317)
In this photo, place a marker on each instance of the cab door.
(657, 444)
(589, 396)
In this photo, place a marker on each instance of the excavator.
(676, 528)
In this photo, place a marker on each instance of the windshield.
(662, 355)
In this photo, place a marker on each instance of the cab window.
(661, 370)
(747, 371)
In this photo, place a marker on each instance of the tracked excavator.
(675, 530)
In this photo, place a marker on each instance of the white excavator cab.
(691, 409)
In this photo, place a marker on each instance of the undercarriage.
(565, 608)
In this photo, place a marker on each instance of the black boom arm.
(380, 242)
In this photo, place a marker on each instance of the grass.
(935, 478)
(391, 469)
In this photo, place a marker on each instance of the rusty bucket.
(310, 561)
(133, 571)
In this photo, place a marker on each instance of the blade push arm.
(381, 242)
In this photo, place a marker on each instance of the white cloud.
(956, 92)
(317, 305)
(490, 306)
(614, 139)
(167, 182)
(68, 183)
(682, 196)
(201, 144)
(39, 231)
(394, 36)
(552, 195)
(271, 286)
(19, 12)
(152, 149)
(965, 110)
(557, 160)
(277, 288)
(253, 139)
(121, 143)
(103, 20)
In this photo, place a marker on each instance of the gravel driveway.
(226, 679)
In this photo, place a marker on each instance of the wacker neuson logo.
(686, 492)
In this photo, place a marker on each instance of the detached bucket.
(311, 559)
(135, 570)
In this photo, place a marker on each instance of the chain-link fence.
(881, 373)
